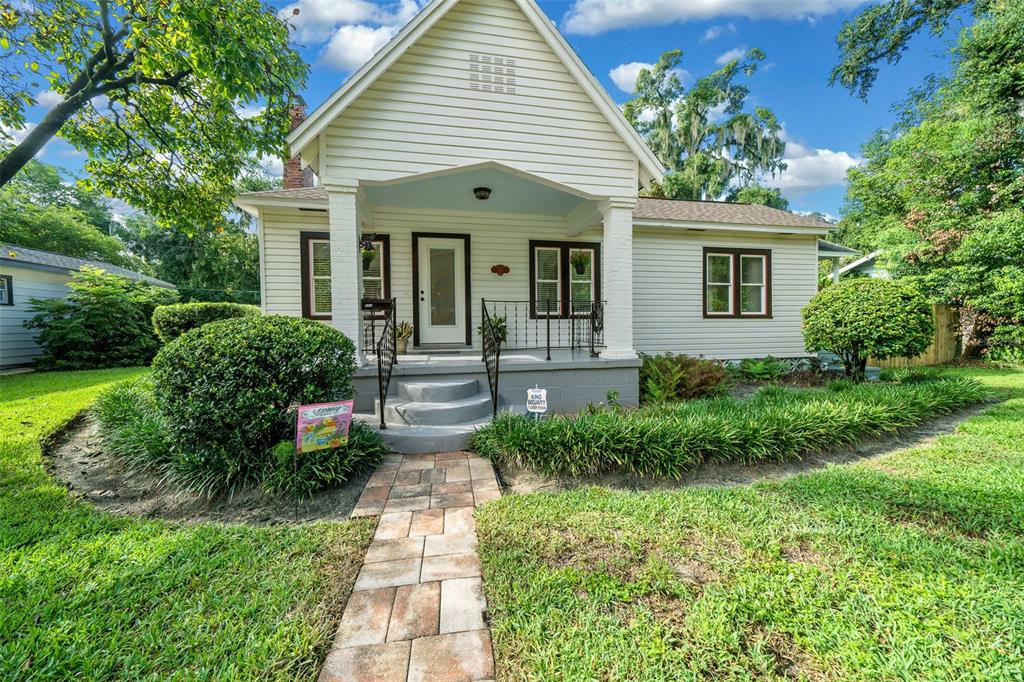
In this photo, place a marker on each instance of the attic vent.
(490, 73)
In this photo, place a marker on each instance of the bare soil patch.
(522, 481)
(75, 458)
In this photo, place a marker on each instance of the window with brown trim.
(565, 278)
(6, 290)
(737, 282)
(315, 262)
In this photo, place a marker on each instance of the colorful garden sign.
(323, 425)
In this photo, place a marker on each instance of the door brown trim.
(416, 236)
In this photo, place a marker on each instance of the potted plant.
(579, 260)
(403, 332)
(368, 253)
(500, 326)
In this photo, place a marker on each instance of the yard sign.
(537, 400)
(323, 425)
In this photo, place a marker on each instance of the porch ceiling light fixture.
(482, 193)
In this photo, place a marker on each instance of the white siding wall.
(422, 115)
(280, 271)
(494, 238)
(668, 303)
(17, 344)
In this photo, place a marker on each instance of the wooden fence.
(944, 345)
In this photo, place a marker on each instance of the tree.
(756, 194)
(703, 134)
(882, 32)
(868, 318)
(152, 91)
(45, 185)
(941, 194)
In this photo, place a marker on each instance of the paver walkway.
(417, 611)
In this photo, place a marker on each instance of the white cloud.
(250, 110)
(624, 75)
(272, 166)
(717, 30)
(317, 19)
(809, 169)
(16, 135)
(47, 98)
(734, 53)
(352, 46)
(590, 17)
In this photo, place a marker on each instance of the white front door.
(442, 290)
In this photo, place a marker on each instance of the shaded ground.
(77, 461)
(522, 481)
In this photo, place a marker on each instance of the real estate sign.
(323, 425)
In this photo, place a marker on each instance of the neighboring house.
(32, 273)
(864, 267)
(831, 251)
(490, 171)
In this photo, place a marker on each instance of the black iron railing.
(550, 324)
(491, 340)
(380, 316)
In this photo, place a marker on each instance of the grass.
(907, 566)
(88, 595)
(776, 424)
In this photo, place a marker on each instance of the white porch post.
(346, 279)
(617, 278)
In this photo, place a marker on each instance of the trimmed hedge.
(776, 424)
(226, 390)
(171, 321)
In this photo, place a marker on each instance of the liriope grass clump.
(776, 424)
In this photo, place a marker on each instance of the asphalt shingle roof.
(55, 261)
(721, 212)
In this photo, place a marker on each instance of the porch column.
(617, 278)
(346, 280)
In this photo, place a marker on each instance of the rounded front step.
(439, 414)
(437, 391)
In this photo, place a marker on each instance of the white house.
(496, 180)
(33, 273)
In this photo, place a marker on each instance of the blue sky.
(825, 126)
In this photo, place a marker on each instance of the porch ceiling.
(510, 193)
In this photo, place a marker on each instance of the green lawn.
(909, 566)
(88, 595)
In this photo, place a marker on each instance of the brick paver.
(417, 611)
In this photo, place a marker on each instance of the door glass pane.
(372, 288)
(718, 298)
(751, 299)
(321, 258)
(442, 287)
(752, 269)
(322, 296)
(719, 269)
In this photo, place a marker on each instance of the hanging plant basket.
(579, 260)
(368, 253)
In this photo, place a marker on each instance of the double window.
(316, 272)
(565, 278)
(737, 283)
(6, 290)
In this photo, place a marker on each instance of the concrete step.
(437, 391)
(448, 413)
(415, 440)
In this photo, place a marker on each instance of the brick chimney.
(294, 175)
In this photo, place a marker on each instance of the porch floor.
(455, 362)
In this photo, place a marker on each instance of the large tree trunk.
(37, 138)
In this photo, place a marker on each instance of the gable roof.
(307, 131)
(866, 260)
(721, 212)
(37, 259)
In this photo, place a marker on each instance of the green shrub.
(226, 389)
(136, 432)
(131, 427)
(763, 369)
(103, 322)
(775, 424)
(171, 321)
(669, 377)
(868, 318)
(1006, 345)
(303, 474)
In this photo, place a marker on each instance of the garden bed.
(76, 460)
(774, 425)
